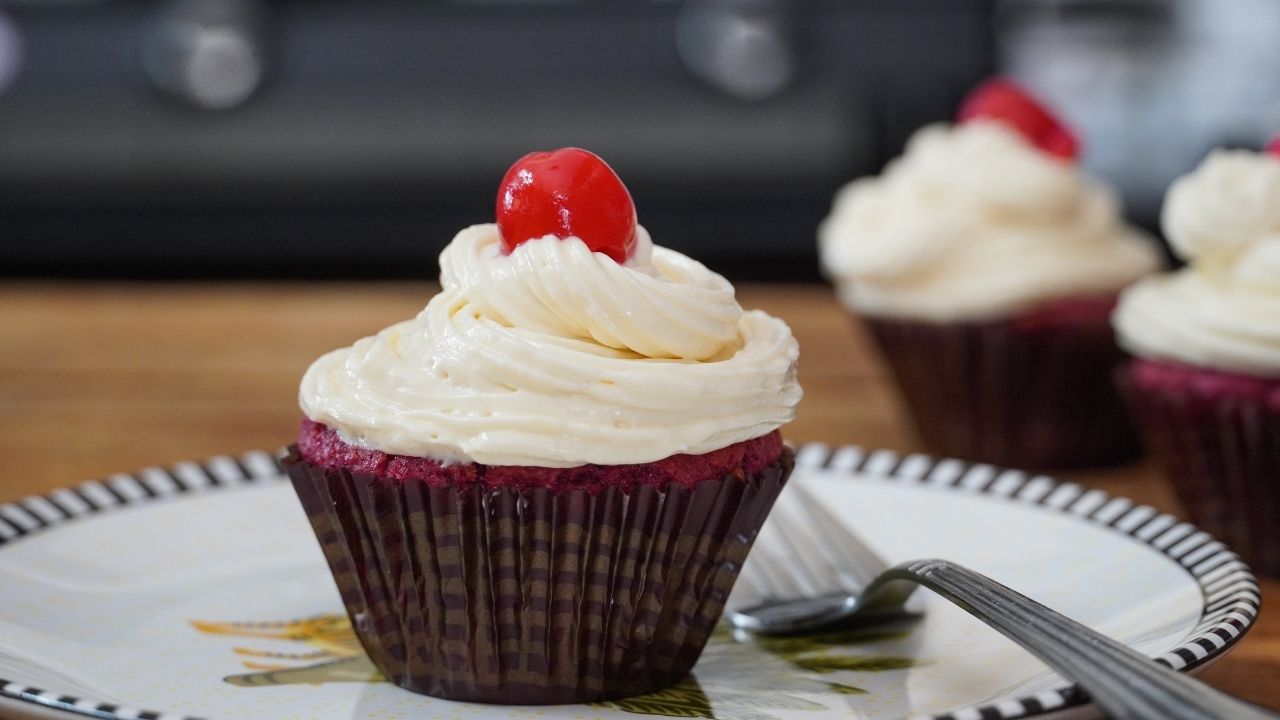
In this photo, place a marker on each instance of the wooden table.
(99, 378)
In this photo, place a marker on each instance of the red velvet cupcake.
(986, 265)
(1205, 390)
(1217, 436)
(542, 488)
(1032, 391)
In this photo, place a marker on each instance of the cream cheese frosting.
(974, 222)
(1222, 311)
(556, 356)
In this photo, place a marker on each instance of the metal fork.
(816, 573)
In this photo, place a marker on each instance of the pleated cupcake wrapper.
(533, 596)
(997, 392)
(1223, 457)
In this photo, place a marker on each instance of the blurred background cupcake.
(1205, 386)
(986, 265)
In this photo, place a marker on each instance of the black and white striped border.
(106, 711)
(1231, 593)
(39, 513)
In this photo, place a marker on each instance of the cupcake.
(1204, 386)
(986, 265)
(541, 488)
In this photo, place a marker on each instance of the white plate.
(163, 590)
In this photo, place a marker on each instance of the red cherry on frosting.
(1273, 147)
(567, 192)
(1003, 100)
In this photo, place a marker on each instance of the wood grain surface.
(104, 377)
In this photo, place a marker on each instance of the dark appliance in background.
(326, 138)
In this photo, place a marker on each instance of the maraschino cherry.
(567, 192)
(1003, 100)
(1273, 148)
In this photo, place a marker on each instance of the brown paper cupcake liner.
(1222, 456)
(532, 596)
(999, 392)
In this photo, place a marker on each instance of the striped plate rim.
(1231, 594)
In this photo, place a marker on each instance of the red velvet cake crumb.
(321, 445)
(1203, 384)
(1068, 312)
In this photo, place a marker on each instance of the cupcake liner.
(533, 596)
(1222, 455)
(1010, 392)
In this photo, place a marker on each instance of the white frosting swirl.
(557, 356)
(1230, 202)
(973, 222)
(1223, 310)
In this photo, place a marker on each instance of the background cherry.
(1003, 100)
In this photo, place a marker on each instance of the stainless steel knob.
(209, 53)
(745, 48)
(12, 50)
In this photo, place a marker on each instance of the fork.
(816, 573)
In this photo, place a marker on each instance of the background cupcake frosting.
(1223, 311)
(557, 356)
(974, 222)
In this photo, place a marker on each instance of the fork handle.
(1124, 683)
